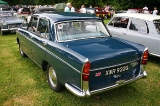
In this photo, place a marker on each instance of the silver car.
(9, 22)
(140, 28)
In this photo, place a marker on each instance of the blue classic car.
(9, 22)
(79, 54)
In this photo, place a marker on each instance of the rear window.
(75, 30)
(157, 25)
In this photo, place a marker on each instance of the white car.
(136, 27)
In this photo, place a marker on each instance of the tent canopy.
(3, 2)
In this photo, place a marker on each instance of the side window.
(157, 25)
(138, 25)
(33, 24)
(43, 28)
(120, 22)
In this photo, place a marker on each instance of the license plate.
(120, 69)
(117, 70)
(13, 31)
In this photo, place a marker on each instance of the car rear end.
(109, 77)
(110, 70)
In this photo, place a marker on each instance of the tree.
(117, 4)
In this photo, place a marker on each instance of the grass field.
(23, 83)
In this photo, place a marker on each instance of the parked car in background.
(139, 28)
(91, 11)
(120, 11)
(23, 13)
(100, 12)
(5, 8)
(78, 52)
(41, 10)
(10, 23)
(138, 10)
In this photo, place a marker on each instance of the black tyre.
(53, 80)
(21, 52)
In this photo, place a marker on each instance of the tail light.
(145, 57)
(86, 71)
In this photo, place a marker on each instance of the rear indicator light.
(145, 57)
(86, 72)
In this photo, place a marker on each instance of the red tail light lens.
(86, 71)
(145, 57)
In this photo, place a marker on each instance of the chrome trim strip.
(80, 39)
(154, 54)
(87, 60)
(51, 53)
(145, 49)
(84, 84)
(113, 65)
(9, 29)
(81, 93)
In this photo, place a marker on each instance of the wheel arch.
(44, 65)
(18, 41)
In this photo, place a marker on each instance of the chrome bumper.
(10, 29)
(81, 93)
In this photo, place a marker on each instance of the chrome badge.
(116, 76)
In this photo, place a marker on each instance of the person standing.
(90, 6)
(107, 8)
(83, 9)
(145, 7)
(67, 8)
(72, 9)
(155, 11)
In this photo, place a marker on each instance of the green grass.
(106, 21)
(23, 83)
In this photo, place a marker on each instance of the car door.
(41, 38)
(26, 41)
(140, 32)
(118, 26)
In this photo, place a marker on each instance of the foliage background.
(118, 4)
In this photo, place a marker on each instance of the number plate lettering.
(116, 70)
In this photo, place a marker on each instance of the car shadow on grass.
(154, 59)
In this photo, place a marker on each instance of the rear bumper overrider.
(81, 93)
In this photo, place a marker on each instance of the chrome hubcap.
(52, 77)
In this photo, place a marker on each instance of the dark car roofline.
(44, 9)
(62, 16)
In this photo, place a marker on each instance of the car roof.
(148, 17)
(43, 9)
(64, 16)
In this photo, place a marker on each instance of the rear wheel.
(53, 79)
(21, 52)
